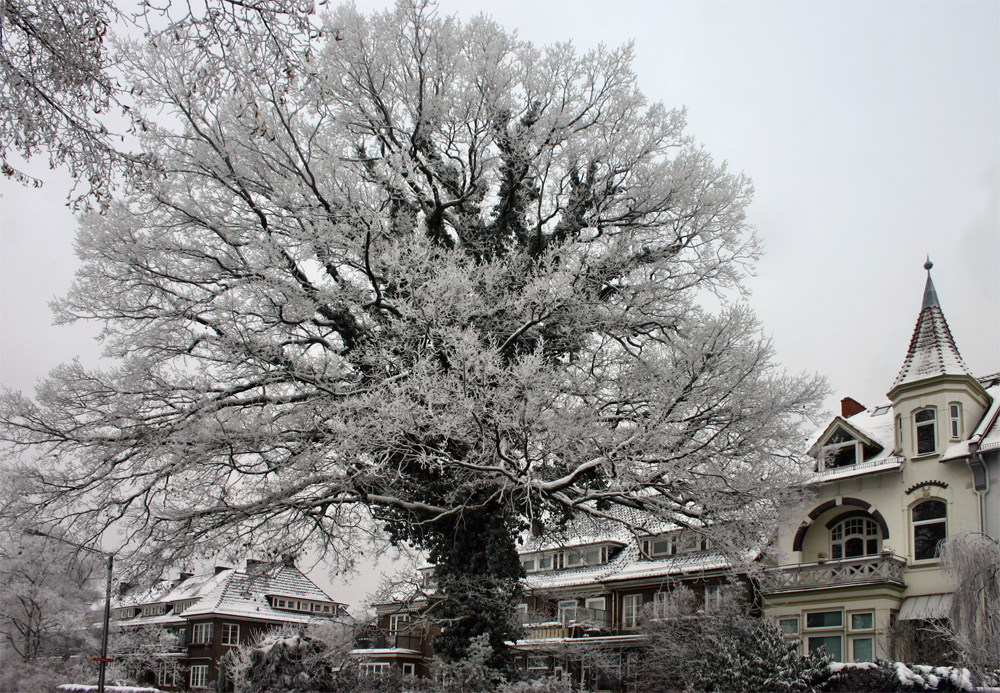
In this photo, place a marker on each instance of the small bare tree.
(973, 561)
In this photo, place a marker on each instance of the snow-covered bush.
(281, 661)
(546, 684)
(861, 677)
(731, 651)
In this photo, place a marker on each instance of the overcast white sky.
(871, 131)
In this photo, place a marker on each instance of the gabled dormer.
(936, 401)
(843, 445)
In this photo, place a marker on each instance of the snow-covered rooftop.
(233, 592)
(932, 349)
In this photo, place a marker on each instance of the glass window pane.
(854, 547)
(863, 650)
(825, 619)
(789, 626)
(661, 548)
(925, 438)
(839, 436)
(927, 539)
(925, 415)
(862, 621)
(929, 510)
(831, 644)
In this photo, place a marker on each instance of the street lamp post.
(103, 660)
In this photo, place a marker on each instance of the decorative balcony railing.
(851, 571)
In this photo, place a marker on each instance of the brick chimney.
(849, 407)
(220, 568)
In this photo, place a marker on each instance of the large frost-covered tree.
(425, 278)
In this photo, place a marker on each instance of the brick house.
(210, 614)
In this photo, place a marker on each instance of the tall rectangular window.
(955, 412)
(926, 434)
(199, 676)
(231, 634)
(201, 634)
(631, 606)
(399, 623)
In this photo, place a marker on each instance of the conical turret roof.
(932, 349)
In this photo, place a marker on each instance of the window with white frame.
(595, 604)
(375, 669)
(924, 421)
(832, 643)
(166, 674)
(528, 564)
(631, 608)
(399, 623)
(863, 649)
(663, 546)
(201, 634)
(955, 420)
(409, 669)
(154, 609)
(199, 676)
(789, 627)
(854, 537)
(841, 449)
(567, 611)
(715, 597)
(930, 528)
(231, 634)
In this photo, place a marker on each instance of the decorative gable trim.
(922, 484)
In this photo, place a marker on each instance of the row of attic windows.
(842, 449)
(672, 544)
(301, 605)
(577, 557)
(179, 607)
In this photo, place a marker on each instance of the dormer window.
(841, 450)
(925, 422)
(955, 417)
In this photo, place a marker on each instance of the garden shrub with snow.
(728, 651)
(861, 677)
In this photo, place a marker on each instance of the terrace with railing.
(389, 641)
(572, 622)
(867, 570)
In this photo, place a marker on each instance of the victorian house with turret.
(893, 482)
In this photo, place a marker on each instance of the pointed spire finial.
(930, 295)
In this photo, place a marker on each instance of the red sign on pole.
(101, 659)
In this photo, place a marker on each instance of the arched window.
(855, 536)
(930, 528)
